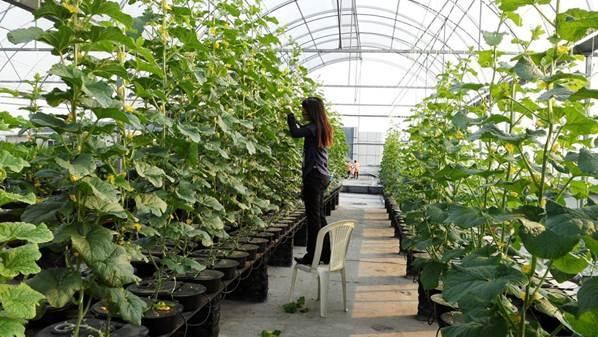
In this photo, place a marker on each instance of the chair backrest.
(340, 236)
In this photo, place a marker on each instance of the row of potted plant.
(173, 132)
(496, 184)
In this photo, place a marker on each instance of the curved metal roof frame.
(404, 31)
(314, 17)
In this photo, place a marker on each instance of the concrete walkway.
(382, 302)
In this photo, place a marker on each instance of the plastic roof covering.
(390, 50)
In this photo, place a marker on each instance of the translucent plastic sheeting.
(375, 57)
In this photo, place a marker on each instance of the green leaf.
(123, 302)
(81, 166)
(588, 162)
(24, 231)
(465, 217)
(10, 327)
(8, 161)
(430, 274)
(541, 241)
(24, 35)
(585, 324)
(479, 280)
(587, 296)
(584, 94)
(109, 262)
(59, 285)
(19, 260)
(152, 173)
(112, 113)
(45, 211)
(190, 132)
(110, 9)
(101, 196)
(512, 5)
(493, 38)
(576, 23)
(150, 203)
(19, 301)
(41, 119)
(7, 197)
(572, 263)
(100, 91)
(487, 328)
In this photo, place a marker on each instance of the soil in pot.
(227, 267)
(260, 242)
(147, 288)
(264, 235)
(65, 329)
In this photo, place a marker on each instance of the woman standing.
(318, 138)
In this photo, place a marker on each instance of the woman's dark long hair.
(314, 106)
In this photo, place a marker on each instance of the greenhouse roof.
(374, 58)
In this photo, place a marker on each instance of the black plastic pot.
(260, 242)
(117, 329)
(248, 248)
(189, 295)
(239, 256)
(227, 267)
(160, 322)
(209, 278)
(263, 235)
(276, 231)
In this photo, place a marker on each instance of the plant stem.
(527, 297)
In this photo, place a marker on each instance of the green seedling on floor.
(270, 333)
(297, 306)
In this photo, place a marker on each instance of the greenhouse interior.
(326, 168)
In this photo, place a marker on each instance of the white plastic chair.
(340, 235)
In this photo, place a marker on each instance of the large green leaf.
(587, 296)
(479, 280)
(24, 35)
(572, 263)
(101, 196)
(81, 166)
(152, 173)
(576, 23)
(7, 197)
(15, 164)
(543, 242)
(465, 217)
(108, 8)
(10, 327)
(19, 301)
(150, 203)
(19, 260)
(211, 202)
(430, 274)
(24, 231)
(59, 285)
(121, 301)
(109, 261)
(585, 324)
(100, 91)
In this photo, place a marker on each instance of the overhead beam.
(29, 5)
(374, 86)
(17, 49)
(587, 46)
(387, 51)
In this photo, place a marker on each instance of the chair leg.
(318, 294)
(324, 278)
(293, 279)
(344, 284)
